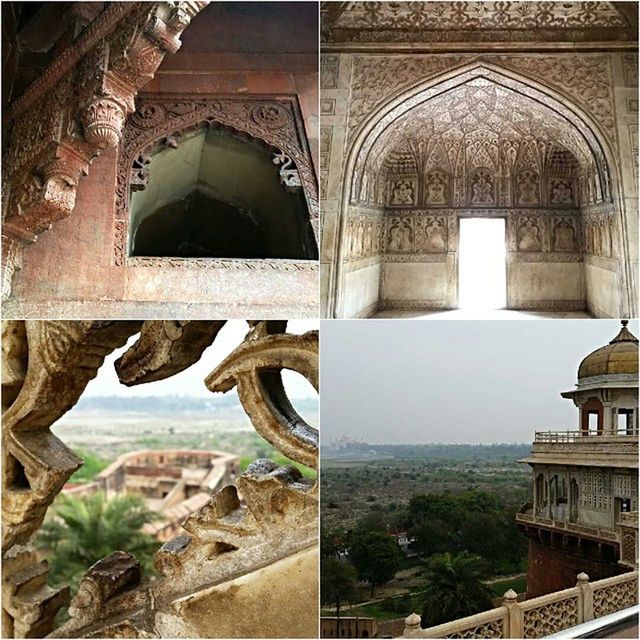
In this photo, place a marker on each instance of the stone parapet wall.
(540, 616)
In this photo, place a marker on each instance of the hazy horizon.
(460, 382)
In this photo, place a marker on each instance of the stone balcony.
(526, 517)
(611, 449)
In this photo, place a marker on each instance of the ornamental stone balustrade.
(616, 449)
(541, 616)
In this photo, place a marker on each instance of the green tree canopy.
(454, 588)
(338, 584)
(375, 555)
(474, 521)
(338, 581)
(80, 531)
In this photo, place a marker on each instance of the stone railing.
(540, 616)
(569, 527)
(628, 529)
(582, 436)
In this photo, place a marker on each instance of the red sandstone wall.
(553, 569)
(243, 49)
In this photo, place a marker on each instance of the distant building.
(584, 515)
(348, 627)
(175, 483)
(403, 539)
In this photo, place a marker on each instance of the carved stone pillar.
(77, 108)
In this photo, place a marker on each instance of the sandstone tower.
(584, 515)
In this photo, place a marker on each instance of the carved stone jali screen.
(161, 119)
(249, 543)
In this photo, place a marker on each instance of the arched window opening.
(208, 193)
(574, 498)
(540, 493)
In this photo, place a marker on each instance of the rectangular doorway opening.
(482, 264)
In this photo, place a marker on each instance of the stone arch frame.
(152, 122)
(560, 102)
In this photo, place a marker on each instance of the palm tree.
(454, 588)
(80, 531)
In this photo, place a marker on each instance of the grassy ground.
(519, 585)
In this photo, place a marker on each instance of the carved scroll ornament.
(161, 119)
(47, 365)
(76, 109)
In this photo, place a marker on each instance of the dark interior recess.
(200, 226)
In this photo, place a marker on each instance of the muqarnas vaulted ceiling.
(480, 144)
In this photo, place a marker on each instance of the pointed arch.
(386, 114)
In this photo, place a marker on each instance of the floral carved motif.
(270, 115)
(364, 236)
(586, 78)
(103, 120)
(488, 630)
(478, 15)
(550, 618)
(78, 107)
(600, 234)
(614, 598)
(329, 65)
(159, 120)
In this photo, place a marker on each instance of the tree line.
(461, 540)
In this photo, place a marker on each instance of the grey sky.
(461, 381)
(191, 381)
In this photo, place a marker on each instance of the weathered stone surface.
(263, 99)
(235, 552)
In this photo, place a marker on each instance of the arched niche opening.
(213, 193)
(479, 143)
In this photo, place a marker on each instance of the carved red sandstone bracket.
(76, 109)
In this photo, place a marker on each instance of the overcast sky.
(404, 381)
(191, 381)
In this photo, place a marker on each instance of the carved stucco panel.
(586, 78)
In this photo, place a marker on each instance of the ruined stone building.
(250, 543)
(174, 483)
(159, 159)
(511, 124)
(584, 514)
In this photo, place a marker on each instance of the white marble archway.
(564, 107)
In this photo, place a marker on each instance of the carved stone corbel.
(103, 120)
(58, 131)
